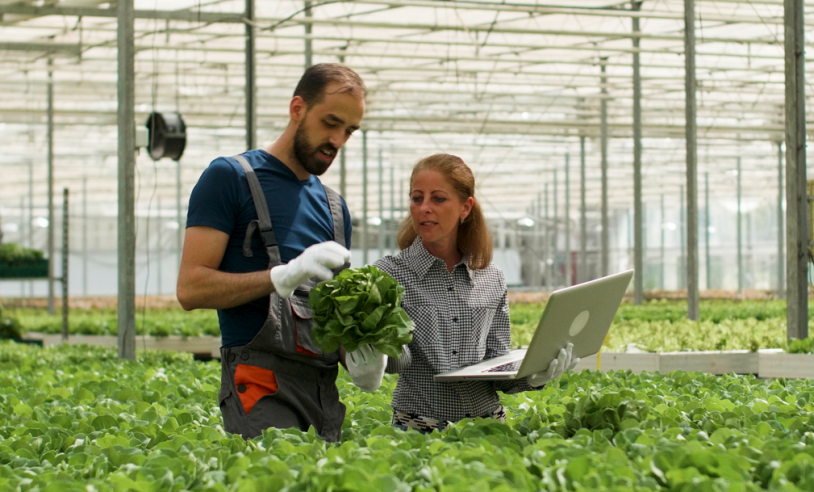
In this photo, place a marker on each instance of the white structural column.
(85, 236)
(380, 229)
(682, 228)
(638, 248)
(364, 198)
(126, 167)
(179, 233)
(568, 272)
(309, 50)
(740, 232)
(781, 267)
(797, 237)
(582, 274)
(50, 129)
(707, 225)
(251, 79)
(692, 161)
(603, 135)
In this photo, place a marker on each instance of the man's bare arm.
(202, 286)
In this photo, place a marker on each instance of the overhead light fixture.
(525, 222)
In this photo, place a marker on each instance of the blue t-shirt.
(300, 215)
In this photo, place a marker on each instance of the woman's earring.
(462, 220)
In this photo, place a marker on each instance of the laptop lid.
(581, 314)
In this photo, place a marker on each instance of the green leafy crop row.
(77, 418)
(662, 326)
(159, 322)
(13, 253)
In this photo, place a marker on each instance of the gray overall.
(281, 378)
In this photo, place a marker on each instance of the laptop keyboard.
(510, 367)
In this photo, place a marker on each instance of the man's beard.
(306, 154)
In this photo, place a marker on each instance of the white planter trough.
(196, 345)
(620, 361)
(777, 364)
(713, 362)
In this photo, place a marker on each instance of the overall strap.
(263, 222)
(335, 202)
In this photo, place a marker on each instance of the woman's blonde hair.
(474, 239)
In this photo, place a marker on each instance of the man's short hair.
(312, 85)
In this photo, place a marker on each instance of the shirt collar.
(421, 260)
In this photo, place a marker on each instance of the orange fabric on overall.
(300, 348)
(258, 382)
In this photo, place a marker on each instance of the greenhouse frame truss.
(647, 96)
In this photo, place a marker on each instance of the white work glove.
(366, 367)
(315, 261)
(562, 363)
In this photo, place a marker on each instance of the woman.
(457, 299)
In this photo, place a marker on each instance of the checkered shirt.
(461, 318)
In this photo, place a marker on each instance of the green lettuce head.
(357, 307)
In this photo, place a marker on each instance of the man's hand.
(315, 261)
(366, 367)
(562, 363)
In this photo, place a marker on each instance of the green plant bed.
(158, 322)
(33, 268)
(78, 418)
(662, 326)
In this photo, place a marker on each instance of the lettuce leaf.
(359, 306)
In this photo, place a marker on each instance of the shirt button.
(469, 415)
(454, 352)
(244, 356)
(232, 357)
(455, 320)
(241, 388)
(449, 289)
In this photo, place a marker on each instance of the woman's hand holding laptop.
(563, 362)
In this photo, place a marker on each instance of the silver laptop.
(581, 314)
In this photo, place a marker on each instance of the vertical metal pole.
(797, 237)
(22, 237)
(402, 198)
(781, 266)
(539, 244)
(749, 280)
(343, 189)
(85, 236)
(179, 238)
(548, 269)
(251, 79)
(556, 228)
(568, 267)
(603, 130)
(308, 29)
(393, 207)
(740, 235)
(638, 253)
(343, 165)
(31, 216)
(692, 160)
(158, 224)
(65, 258)
(364, 197)
(682, 227)
(126, 178)
(51, 259)
(582, 273)
(708, 261)
(380, 232)
(661, 246)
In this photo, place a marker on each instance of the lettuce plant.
(359, 306)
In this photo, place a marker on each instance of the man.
(261, 231)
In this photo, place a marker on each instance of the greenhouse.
(639, 200)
